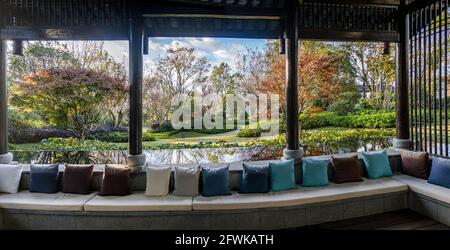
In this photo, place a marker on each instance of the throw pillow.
(77, 179)
(158, 180)
(346, 169)
(116, 181)
(44, 178)
(255, 179)
(282, 175)
(377, 164)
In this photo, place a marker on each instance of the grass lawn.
(324, 135)
(169, 138)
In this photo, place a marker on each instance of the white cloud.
(215, 50)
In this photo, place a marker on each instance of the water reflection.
(186, 156)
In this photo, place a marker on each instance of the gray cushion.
(47, 202)
(187, 181)
(422, 187)
(301, 196)
(138, 202)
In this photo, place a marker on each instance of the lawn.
(328, 136)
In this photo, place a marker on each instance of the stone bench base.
(429, 207)
(248, 219)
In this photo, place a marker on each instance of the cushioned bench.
(422, 187)
(138, 202)
(288, 209)
(300, 196)
(427, 199)
(47, 202)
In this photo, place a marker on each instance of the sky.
(216, 50)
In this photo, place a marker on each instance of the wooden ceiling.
(108, 19)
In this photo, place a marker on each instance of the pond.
(186, 156)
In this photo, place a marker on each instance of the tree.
(181, 71)
(223, 81)
(374, 71)
(252, 67)
(156, 101)
(318, 84)
(70, 98)
(40, 56)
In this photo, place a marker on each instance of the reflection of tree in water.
(78, 157)
(189, 156)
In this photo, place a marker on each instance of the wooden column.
(3, 99)
(403, 134)
(292, 150)
(5, 156)
(136, 43)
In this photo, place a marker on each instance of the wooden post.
(403, 139)
(293, 150)
(5, 156)
(136, 42)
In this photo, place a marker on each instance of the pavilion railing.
(428, 88)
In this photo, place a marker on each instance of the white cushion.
(10, 178)
(49, 202)
(300, 196)
(158, 179)
(138, 202)
(423, 187)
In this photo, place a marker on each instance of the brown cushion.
(77, 179)
(116, 181)
(346, 169)
(415, 164)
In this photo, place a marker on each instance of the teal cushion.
(282, 175)
(315, 172)
(377, 164)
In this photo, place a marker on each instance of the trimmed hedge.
(250, 133)
(35, 135)
(329, 119)
(120, 137)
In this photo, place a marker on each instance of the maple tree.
(318, 84)
(70, 98)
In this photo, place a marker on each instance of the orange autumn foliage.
(317, 76)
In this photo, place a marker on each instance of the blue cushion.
(216, 181)
(315, 172)
(440, 172)
(255, 179)
(44, 179)
(377, 164)
(282, 175)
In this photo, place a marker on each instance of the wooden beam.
(331, 35)
(3, 98)
(358, 2)
(253, 34)
(179, 9)
(64, 33)
(417, 4)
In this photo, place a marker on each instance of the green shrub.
(328, 141)
(329, 119)
(165, 127)
(213, 131)
(73, 144)
(115, 137)
(250, 133)
(148, 136)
